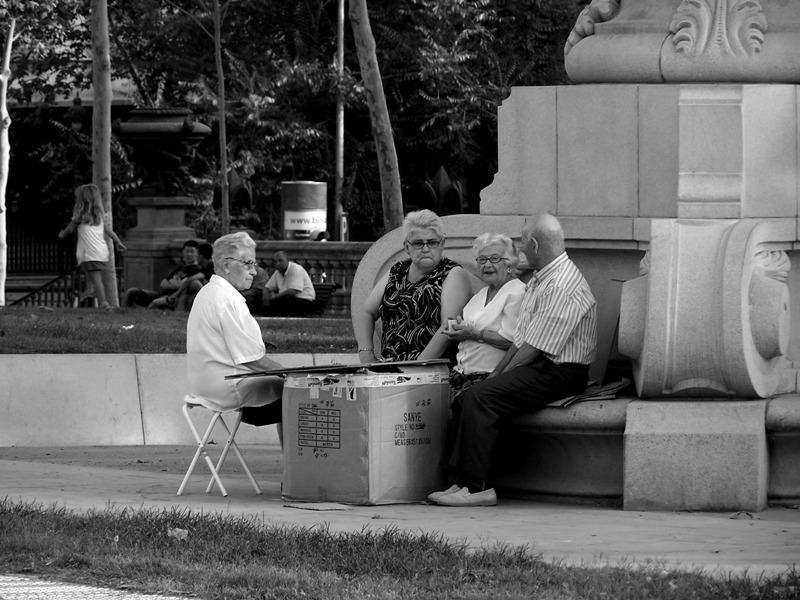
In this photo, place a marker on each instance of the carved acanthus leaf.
(748, 25)
(774, 264)
(732, 27)
(691, 24)
(644, 264)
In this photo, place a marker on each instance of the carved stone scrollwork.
(681, 41)
(598, 11)
(734, 27)
(769, 304)
(711, 316)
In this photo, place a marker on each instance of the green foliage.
(446, 67)
(49, 57)
(451, 64)
(66, 162)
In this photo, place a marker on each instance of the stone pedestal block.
(783, 437)
(696, 455)
(160, 219)
(710, 151)
(160, 222)
(738, 151)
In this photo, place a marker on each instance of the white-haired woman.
(222, 338)
(415, 298)
(486, 329)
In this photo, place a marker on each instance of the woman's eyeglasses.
(419, 244)
(494, 259)
(248, 264)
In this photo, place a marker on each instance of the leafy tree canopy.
(446, 66)
(50, 56)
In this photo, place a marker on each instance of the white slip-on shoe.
(436, 495)
(463, 498)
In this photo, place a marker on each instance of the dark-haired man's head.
(281, 260)
(190, 252)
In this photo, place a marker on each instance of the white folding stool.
(190, 402)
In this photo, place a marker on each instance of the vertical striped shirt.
(558, 315)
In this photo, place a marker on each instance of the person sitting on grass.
(170, 284)
(182, 298)
(289, 291)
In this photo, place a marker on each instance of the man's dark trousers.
(479, 412)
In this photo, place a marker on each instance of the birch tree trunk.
(338, 229)
(223, 144)
(101, 132)
(5, 152)
(379, 116)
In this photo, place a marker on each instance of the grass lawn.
(31, 330)
(177, 551)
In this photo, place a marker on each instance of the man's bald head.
(542, 240)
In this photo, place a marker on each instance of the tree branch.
(224, 9)
(197, 21)
(132, 70)
(7, 52)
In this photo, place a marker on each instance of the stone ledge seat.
(575, 451)
(578, 452)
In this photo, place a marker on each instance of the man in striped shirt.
(554, 344)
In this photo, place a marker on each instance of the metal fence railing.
(33, 253)
(58, 292)
(61, 291)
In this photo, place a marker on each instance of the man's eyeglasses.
(248, 264)
(418, 244)
(494, 259)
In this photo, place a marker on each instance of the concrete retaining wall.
(135, 399)
(109, 399)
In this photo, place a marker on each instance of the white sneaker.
(436, 495)
(463, 498)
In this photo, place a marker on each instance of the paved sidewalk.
(762, 543)
(17, 587)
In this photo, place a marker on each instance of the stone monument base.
(696, 455)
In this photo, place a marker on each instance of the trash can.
(304, 208)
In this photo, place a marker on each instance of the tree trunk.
(379, 116)
(101, 132)
(223, 144)
(5, 152)
(339, 232)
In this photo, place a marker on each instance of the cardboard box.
(365, 438)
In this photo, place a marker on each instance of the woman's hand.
(459, 331)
